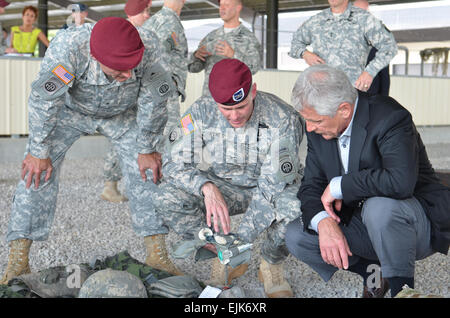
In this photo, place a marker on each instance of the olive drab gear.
(109, 283)
(111, 193)
(407, 292)
(157, 255)
(58, 281)
(18, 260)
(275, 285)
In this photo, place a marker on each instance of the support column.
(43, 23)
(272, 34)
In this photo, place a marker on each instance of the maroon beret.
(4, 3)
(134, 7)
(116, 43)
(230, 81)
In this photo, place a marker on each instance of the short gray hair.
(322, 88)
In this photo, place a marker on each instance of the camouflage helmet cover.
(110, 283)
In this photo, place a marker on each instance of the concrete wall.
(427, 98)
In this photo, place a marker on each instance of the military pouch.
(175, 287)
(240, 259)
(185, 248)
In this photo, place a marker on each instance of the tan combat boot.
(111, 193)
(157, 256)
(222, 275)
(18, 260)
(275, 285)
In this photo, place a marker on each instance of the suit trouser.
(33, 209)
(394, 232)
(185, 214)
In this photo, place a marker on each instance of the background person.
(167, 26)
(342, 37)
(24, 38)
(233, 40)
(137, 11)
(382, 81)
(79, 14)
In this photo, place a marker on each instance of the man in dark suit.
(369, 190)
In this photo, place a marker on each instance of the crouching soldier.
(117, 90)
(253, 140)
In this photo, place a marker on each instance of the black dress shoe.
(376, 292)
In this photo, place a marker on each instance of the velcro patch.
(63, 74)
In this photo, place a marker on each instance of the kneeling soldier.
(253, 139)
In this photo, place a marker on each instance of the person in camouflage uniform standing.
(120, 91)
(137, 11)
(166, 24)
(260, 179)
(233, 40)
(342, 36)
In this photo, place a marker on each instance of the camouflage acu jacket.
(244, 43)
(69, 68)
(345, 41)
(167, 26)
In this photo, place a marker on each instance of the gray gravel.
(86, 226)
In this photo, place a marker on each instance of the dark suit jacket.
(382, 81)
(387, 159)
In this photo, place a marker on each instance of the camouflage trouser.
(185, 213)
(111, 168)
(33, 209)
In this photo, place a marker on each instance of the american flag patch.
(187, 124)
(63, 74)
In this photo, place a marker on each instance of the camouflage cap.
(109, 283)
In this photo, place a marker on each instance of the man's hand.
(364, 81)
(312, 59)
(34, 167)
(150, 161)
(202, 53)
(328, 201)
(217, 207)
(333, 244)
(223, 48)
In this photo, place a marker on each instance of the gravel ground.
(86, 226)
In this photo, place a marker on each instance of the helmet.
(111, 283)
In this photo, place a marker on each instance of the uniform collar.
(345, 15)
(95, 75)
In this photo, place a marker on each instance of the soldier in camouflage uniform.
(137, 11)
(167, 26)
(344, 41)
(128, 107)
(260, 179)
(233, 40)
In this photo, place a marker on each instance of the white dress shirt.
(343, 142)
